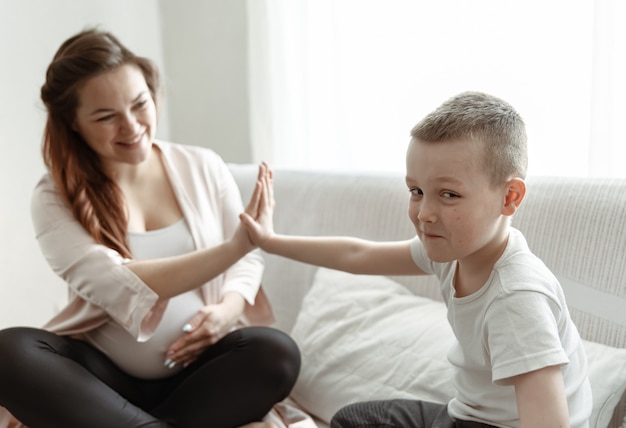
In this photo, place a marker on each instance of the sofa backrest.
(576, 225)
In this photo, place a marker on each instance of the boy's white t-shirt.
(516, 323)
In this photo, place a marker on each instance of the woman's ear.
(515, 191)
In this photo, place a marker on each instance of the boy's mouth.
(430, 235)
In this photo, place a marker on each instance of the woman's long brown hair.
(96, 201)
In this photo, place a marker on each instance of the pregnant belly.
(145, 359)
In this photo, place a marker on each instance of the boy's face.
(457, 214)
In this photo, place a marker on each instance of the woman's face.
(116, 116)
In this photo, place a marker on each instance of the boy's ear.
(515, 191)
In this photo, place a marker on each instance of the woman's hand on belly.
(207, 327)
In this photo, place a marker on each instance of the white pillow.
(607, 375)
(368, 337)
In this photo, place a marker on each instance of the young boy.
(519, 360)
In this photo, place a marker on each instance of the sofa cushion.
(368, 337)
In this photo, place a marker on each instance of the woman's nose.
(129, 124)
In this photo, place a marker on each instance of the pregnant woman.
(164, 326)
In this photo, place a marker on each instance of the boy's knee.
(356, 415)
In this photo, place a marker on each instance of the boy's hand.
(261, 227)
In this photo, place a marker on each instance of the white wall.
(30, 33)
(205, 48)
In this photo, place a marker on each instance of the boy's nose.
(426, 213)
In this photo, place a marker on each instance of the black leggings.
(48, 380)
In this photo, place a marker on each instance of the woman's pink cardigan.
(102, 287)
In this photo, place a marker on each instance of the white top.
(516, 323)
(145, 359)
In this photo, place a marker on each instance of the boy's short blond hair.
(486, 119)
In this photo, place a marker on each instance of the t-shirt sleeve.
(419, 256)
(522, 335)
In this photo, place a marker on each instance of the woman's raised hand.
(259, 222)
(241, 237)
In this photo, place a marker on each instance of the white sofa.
(377, 337)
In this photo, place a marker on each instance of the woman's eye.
(105, 118)
(141, 104)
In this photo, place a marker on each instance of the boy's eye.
(449, 195)
(416, 192)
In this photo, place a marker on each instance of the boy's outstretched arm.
(342, 253)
